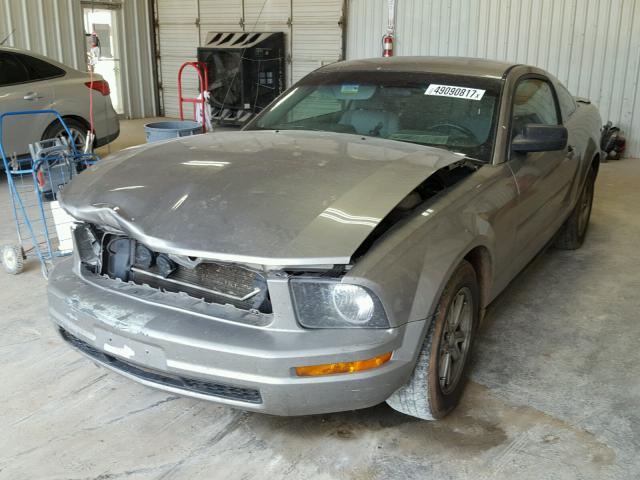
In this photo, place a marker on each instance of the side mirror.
(540, 138)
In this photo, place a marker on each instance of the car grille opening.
(212, 282)
(214, 389)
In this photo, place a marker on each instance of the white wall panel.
(220, 16)
(52, 28)
(270, 15)
(590, 45)
(137, 66)
(179, 37)
(316, 34)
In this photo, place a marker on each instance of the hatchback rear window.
(12, 71)
(39, 69)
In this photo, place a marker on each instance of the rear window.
(39, 69)
(12, 71)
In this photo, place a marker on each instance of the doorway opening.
(102, 34)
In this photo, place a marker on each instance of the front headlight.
(321, 303)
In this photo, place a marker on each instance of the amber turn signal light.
(343, 367)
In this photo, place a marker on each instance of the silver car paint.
(407, 268)
(206, 346)
(240, 202)
(67, 94)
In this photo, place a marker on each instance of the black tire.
(424, 395)
(572, 233)
(12, 259)
(78, 129)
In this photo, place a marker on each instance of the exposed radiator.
(212, 282)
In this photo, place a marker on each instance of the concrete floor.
(554, 391)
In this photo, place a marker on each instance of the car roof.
(453, 65)
(15, 50)
(31, 53)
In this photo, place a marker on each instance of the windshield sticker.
(455, 92)
(349, 89)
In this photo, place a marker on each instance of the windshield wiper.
(416, 142)
(286, 126)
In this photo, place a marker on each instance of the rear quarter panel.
(72, 98)
(584, 134)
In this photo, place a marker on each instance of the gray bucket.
(176, 128)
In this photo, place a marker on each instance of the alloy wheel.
(455, 340)
(586, 201)
(79, 137)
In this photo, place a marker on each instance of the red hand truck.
(203, 77)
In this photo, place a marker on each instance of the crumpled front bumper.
(208, 357)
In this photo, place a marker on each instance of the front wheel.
(573, 231)
(437, 382)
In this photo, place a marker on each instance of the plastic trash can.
(157, 131)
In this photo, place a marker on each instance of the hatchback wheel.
(77, 129)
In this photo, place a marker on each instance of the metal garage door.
(313, 31)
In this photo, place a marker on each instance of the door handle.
(32, 96)
(570, 148)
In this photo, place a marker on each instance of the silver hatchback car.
(29, 81)
(338, 252)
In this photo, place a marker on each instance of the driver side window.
(533, 102)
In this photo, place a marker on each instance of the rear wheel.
(573, 231)
(77, 128)
(437, 382)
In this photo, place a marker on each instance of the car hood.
(262, 197)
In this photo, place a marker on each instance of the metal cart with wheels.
(43, 228)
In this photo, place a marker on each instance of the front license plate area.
(130, 350)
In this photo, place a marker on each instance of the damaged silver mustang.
(340, 250)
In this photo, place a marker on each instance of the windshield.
(454, 112)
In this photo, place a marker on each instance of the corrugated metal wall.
(52, 28)
(55, 28)
(592, 46)
(138, 60)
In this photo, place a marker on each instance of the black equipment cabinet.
(246, 72)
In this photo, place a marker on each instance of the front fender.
(410, 267)
(411, 264)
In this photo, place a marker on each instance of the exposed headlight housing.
(322, 303)
(87, 244)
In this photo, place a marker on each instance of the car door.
(543, 178)
(22, 88)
